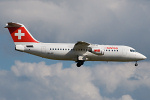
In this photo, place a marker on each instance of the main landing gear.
(80, 63)
(136, 64)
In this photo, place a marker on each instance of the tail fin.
(20, 34)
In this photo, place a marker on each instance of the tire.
(78, 64)
(136, 64)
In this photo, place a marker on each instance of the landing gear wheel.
(79, 63)
(136, 64)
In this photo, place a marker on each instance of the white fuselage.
(79, 52)
(66, 51)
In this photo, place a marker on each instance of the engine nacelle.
(96, 51)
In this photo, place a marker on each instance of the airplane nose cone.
(141, 57)
(144, 57)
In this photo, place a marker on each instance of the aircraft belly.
(110, 58)
(106, 57)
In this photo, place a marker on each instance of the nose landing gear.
(136, 64)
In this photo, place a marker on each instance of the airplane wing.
(81, 44)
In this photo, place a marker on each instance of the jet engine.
(96, 51)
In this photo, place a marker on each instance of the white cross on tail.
(19, 34)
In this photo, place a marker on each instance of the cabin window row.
(111, 50)
(58, 49)
(68, 49)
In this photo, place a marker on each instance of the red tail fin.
(20, 34)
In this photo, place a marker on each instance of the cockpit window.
(132, 50)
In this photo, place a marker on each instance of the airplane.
(78, 52)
